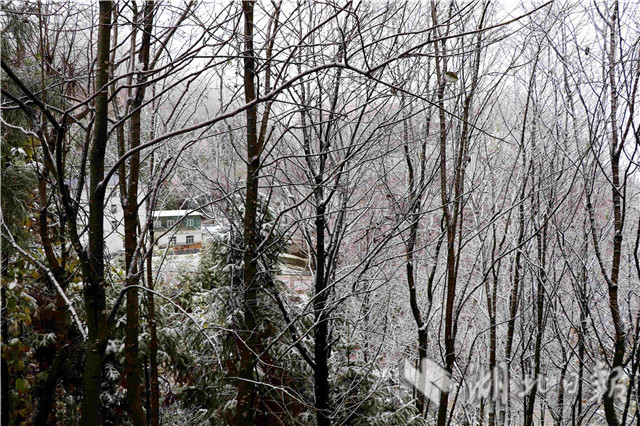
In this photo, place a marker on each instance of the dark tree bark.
(541, 238)
(153, 417)
(616, 145)
(618, 222)
(449, 342)
(514, 299)
(453, 203)
(635, 350)
(249, 338)
(60, 347)
(247, 335)
(416, 189)
(321, 325)
(6, 392)
(94, 285)
(133, 380)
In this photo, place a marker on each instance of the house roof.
(175, 213)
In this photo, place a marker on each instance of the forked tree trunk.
(453, 203)
(416, 185)
(322, 273)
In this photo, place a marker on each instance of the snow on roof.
(175, 213)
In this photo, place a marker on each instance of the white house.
(113, 224)
(177, 228)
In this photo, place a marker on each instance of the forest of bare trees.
(405, 212)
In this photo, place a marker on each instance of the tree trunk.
(505, 418)
(582, 331)
(47, 399)
(561, 394)
(453, 204)
(6, 393)
(615, 149)
(94, 286)
(492, 304)
(449, 343)
(410, 243)
(247, 335)
(321, 324)
(541, 240)
(133, 379)
(154, 385)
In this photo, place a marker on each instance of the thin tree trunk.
(531, 398)
(249, 339)
(449, 343)
(47, 399)
(618, 221)
(541, 240)
(453, 214)
(321, 290)
(321, 325)
(133, 379)
(94, 287)
(635, 350)
(154, 385)
(415, 192)
(247, 336)
(561, 395)
(491, 302)
(322, 259)
(515, 288)
(6, 393)
(577, 417)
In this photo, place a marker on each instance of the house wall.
(187, 226)
(180, 235)
(114, 222)
(114, 225)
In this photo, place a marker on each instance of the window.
(190, 223)
(170, 223)
(157, 223)
(189, 239)
(114, 208)
(172, 241)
